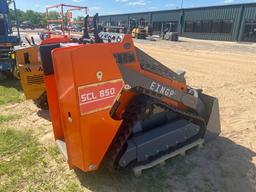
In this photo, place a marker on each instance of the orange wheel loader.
(113, 103)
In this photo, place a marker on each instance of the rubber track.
(42, 102)
(136, 111)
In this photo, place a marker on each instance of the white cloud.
(77, 1)
(122, 0)
(95, 8)
(136, 3)
(150, 8)
(228, 1)
(170, 5)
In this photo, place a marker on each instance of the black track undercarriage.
(42, 102)
(151, 129)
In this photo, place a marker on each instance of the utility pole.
(182, 1)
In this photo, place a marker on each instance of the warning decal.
(98, 97)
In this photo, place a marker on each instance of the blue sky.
(105, 7)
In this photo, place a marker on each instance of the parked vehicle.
(169, 32)
(27, 25)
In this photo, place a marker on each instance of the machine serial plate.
(99, 96)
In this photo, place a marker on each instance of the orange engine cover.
(56, 39)
(87, 87)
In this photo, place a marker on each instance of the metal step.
(161, 161)
(63, 148)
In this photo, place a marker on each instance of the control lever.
(95, 29)
(29, 42)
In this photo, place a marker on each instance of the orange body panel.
(54, 108)
(52, 95)
(87, 136)
(56, 39)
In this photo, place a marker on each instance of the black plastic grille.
(125, 58)
(35, 80)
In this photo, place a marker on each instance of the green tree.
(53, 15)
(20, 14)
(36, 18)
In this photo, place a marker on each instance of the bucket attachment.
(212, 118)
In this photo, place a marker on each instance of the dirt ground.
(221, 69)
(227, 71)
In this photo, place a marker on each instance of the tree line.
(36, 18)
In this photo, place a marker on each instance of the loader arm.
(151, 82)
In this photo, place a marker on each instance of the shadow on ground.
(220, 166)
(11, 83)
(44, 114)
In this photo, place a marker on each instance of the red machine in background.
(63, 25)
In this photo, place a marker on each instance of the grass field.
(24, 164)
(10, 92)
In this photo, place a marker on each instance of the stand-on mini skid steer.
(113, 102)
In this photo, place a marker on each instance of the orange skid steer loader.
(113, 102)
